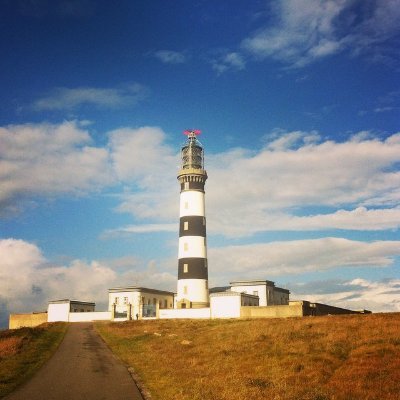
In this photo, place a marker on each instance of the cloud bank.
(28, 281)
(355, 182)
(304, 32)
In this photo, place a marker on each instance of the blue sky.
(298, 102)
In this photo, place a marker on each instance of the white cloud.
(228, 61)
(300, 256)
(357, 181)
(47, 160)
(305, 31)
(271, 186)
(70, 98)
(28, 281)
(141, 156)
(170, 57)
(146, 228)
(357, 294)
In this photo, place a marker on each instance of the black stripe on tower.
(192, 225)
(190, 185)
(192, 268)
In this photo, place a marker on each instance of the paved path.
(83, 368)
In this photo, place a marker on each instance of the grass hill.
(353, 357)
(23, 351)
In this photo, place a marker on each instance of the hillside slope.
(312, 358)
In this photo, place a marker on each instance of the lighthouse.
(192, 254)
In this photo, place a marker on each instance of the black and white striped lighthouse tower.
(192, 264)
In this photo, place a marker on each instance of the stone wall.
(27, 320)
(283, 311)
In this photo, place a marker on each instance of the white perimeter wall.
(185, 313)
(90, 316)
(225, 306)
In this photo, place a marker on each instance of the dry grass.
(313, 358)
(23, 351)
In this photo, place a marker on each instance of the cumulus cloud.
(47, 160)
(63, 98)
(28, 281)
(306, 31)
(356, 294)
(281, 178)
(170, 57)
(299, 256)
(140, 156)
(356, 182)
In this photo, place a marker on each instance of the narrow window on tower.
(185, 268)
(185, 225)
(185, 246)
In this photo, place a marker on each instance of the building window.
(185, 268)
(165, 303)
(116, 300)
(154, 301)
(185, 225)
(125, 300)
(185, 246)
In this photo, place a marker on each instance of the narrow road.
(83, 368)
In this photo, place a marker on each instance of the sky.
(298, 103)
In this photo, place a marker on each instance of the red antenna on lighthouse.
(191, 132)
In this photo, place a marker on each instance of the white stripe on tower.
(192, 255)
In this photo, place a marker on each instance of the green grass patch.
(23, 351)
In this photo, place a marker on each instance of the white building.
(60, 310)
(133, 302)
(268, 293)
(229, 304)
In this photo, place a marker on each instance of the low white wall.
(58, 312)
(185, 313)
(90, 316)
(225, 306)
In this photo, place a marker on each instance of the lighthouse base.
(185, 303)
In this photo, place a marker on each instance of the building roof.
(68, 301)
(139, 289)
(219, 289)
(252, 282)
(229, 293)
